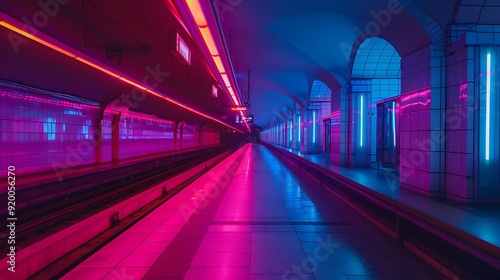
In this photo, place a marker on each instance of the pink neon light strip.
(199, 18)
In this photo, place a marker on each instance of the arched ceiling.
(376, 58)
(478, 12)
(320, 92)
(288, 44)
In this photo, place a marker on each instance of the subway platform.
(250, 217)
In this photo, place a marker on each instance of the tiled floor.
(482, 221)
(261, 223)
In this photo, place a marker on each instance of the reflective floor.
(252, 220)
(482, 221)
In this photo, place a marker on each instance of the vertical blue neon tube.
(488, 104)
(361, 119)
(314, 127)
(299, 129)
(394, 122)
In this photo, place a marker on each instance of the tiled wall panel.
(457, 109)
(141, 136)
(106, 126)
(335, 131)
(422, 123)
(209, 137)
(339, 127)
(190, 137)
(45, 131)
(360, 122)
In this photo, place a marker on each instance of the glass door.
(326, 135)
(387, 133)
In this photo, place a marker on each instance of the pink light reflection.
(415, 99)
(242, 200)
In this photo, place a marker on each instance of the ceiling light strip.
(201, 21)
(199, 17)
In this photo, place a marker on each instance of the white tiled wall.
(458, 111)
(415, 122)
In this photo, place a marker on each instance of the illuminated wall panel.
(43, 131)
(489, 123)
(279, 134)
(422, 123)
(459, 128)
(376, 75)
(106, 125)
(144, 135)
(209, 137)
(320, 107)
(280, 131)
(269, 135)
(314, 125)
(360, 96)
(297, 131)
(473, 115)
(339, 125)
(190, 136)
(313, 128)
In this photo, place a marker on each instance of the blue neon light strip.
(488, 104)
(362, 120)
(314, 126)
(290, 131)
(394, 122)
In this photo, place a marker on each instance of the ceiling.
(287, 45)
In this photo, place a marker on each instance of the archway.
(320, 111)
(374, 99)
